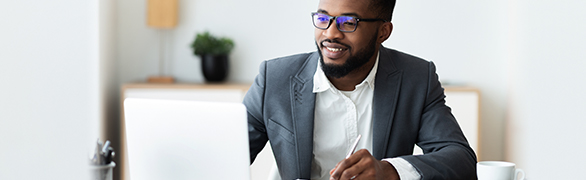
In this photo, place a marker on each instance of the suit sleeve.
(447, 154)
(254, 102)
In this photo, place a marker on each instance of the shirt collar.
(321, 82)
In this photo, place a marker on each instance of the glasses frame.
(333, 18)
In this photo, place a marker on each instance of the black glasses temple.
(372, 20)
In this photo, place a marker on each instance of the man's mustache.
(333, 41)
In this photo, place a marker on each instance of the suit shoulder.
(403, 59)
(287, 61)
(405, 62)
(289, 64)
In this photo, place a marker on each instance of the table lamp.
(162, 15)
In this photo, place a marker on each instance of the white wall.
(546, 126)
(108, 66)
(255, 25)
(109, 79)
(49, 94)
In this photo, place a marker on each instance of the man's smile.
(333, 50)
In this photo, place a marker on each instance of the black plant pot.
(214, 67)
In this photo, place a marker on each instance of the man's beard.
(352, 63)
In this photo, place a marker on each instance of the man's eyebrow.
(345, 14)
(322, 11)
(350, 14)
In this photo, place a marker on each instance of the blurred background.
(63, 63)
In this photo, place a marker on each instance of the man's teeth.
(334, 49)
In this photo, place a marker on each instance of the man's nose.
(333, 32)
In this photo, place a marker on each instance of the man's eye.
(349, 23)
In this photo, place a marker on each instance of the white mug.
(498, 170)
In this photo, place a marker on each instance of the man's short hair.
(384, 8)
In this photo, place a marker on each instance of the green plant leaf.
(206, 43)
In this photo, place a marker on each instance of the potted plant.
(213, 52)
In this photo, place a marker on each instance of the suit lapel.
(386, 92)
(387, 85)
(303, 105)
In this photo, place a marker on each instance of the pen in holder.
(101, 162)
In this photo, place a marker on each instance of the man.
(312, 107)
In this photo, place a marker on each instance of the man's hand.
(363, 166)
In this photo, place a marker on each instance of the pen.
(99, 159)
(109, 155)
(353, 146)
(105, 146)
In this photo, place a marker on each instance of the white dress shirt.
(340, 116)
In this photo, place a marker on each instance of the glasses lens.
(321, 21)
(346, 23)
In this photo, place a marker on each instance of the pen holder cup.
(102, 172)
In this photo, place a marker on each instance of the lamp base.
(161, 79)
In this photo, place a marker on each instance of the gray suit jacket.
(409, 109)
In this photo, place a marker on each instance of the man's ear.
(385, 32)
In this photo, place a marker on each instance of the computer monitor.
(171, 139)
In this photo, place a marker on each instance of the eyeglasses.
(344, 23)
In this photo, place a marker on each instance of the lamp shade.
(162, 13)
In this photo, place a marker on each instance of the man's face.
(342, 52)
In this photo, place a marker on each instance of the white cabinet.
(465, 104)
